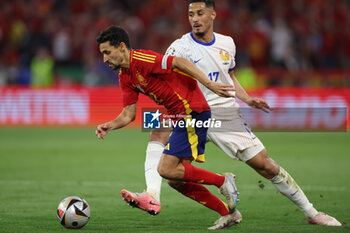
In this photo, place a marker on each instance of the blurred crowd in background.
(52, 42)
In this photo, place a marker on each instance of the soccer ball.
(73, 212)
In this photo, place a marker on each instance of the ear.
(213, 15)
(122, 46)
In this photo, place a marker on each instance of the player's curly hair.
(208, 3)
(115, 35)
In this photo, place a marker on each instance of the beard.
(200, 34)
(113, 66)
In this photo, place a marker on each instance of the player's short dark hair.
(208, 3)
(115, 35)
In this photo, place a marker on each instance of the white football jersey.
(215, 59)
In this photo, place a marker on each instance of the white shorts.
(236, 139)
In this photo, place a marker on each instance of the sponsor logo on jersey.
(196, 61)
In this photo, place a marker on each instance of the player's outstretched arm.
(125, 117)
(189, 68)
(253, 102)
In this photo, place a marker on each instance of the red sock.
(202, 195)
(198, 175)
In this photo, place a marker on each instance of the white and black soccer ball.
(73, 212)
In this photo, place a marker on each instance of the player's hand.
(222, 90)
(102, 130)
(259, 104)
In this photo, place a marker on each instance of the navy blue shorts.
(188, 138)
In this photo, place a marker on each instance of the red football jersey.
(151, 73)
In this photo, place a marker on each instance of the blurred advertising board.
(295, 109)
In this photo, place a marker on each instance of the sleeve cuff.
(231, 69)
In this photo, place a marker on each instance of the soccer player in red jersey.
(169, 81)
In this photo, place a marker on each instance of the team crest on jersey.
(170, 52)
(141, 79)
(225, 56)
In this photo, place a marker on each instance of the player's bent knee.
(169, 167)
(164, 172)
(271, 168)
(264, 165)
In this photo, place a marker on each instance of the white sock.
(288, 187)
(153, 179)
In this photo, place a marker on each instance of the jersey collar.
(203, 43)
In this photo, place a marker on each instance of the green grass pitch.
(40, 167)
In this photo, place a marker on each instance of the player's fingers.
(226, 87)
(99, 128)
(229, 88)
(100, 133)
(227, 94)
(266, 106)
(265, 110)
(256, 104)
(264, 103)
(106, 127)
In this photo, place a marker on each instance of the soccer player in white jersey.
(214, 54)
